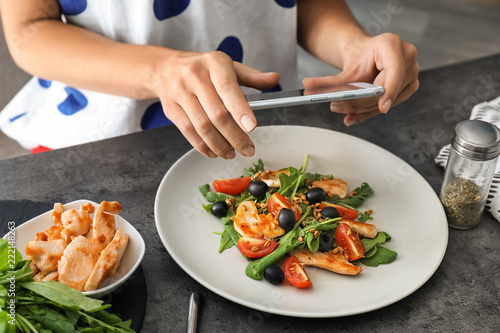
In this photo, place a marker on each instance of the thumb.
(251, 77)
(315, 82)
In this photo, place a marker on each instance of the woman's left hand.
(383, 60)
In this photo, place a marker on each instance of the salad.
(298, 218)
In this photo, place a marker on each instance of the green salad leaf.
(256, 168)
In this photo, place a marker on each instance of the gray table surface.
(462, 295)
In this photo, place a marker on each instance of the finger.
(314, 82)
(223, 77)
(391, 63)
(407, 92)
(177, 115)
(352, 119)
(204, 126)
(223, 121)
(251, 77)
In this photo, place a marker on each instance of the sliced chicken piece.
(53, 276)
(77, 263)
(38, 277)
(249, 223)
(104, 227)
(332, 186)
(76, 222)
(335, 262)
(90, 235)
(56, 214)
(46, 254)
(271, 177)
(54, 232)
(363, 229)
(41, 236)
(108, 261)
(34, 268)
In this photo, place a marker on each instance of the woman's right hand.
(200, 93)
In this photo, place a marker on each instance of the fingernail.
(211, 154)
(351, 122)
(230, 155)
(248, 151)
(387, 105)
(248, 123)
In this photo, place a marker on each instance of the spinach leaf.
(48, 318)
(382, 256)
(256, 168)
(9, 256)
(22, 274)
(64, 296)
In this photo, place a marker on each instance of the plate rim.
(289, 313)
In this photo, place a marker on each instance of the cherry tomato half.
(345, 213)
(256, 247)
(233, 186)
(276, 202)
(295, 273)
(349, 241)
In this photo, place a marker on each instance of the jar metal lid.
(477, 139)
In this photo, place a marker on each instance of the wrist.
(350, 47)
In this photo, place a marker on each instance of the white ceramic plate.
(404, 205)
(131, 258)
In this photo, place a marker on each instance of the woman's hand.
(384, 60)
(200, 93)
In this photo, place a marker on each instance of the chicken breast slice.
(335, 262)
(108, 261)
(104, 226)
(45, 254)
(56, 213)
(54, 232)
(249, 223)
(77, 263)
(332, 186)
(271, 177)
(76, 222)
(361, 228)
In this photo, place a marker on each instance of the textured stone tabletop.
(462, 295)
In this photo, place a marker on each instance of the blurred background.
(444, 32)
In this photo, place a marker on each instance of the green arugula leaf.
(213, 196)
(225, 241)
(290, 183)
(363, 192)
(312, 243)
(369, 243)
(256, 168)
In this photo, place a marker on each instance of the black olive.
(330, 212)
(315, 195)
(219, 209)
(258, 188)
(274, 274)
(325, 242)
(286, 219)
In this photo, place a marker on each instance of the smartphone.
(317, 95)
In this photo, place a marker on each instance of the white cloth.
(260, 34)
(489, 112)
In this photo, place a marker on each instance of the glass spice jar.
(473, 157)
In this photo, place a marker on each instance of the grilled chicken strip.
(332, 186)
(45, 254)
(76, 222)
(104, 227)
(335, 262)
(249, 223)
(363, 229)
(109, 260)
(271, 177)
(77, 263)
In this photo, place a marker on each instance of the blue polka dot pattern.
(275, 88)
(45, 83)
(286, 3)
(165, 9)
(17, 117)
(154, 117)
(75, 102)
(73, 7)
(232, 47)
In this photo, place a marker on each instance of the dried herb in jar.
(462, 202)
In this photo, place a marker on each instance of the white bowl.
(130, 261)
